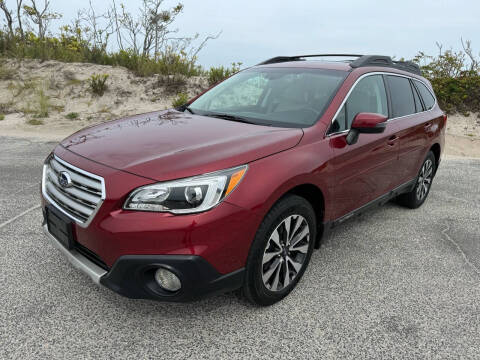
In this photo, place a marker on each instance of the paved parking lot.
(395, 283)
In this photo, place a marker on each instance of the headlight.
(188, 195)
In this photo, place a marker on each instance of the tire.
(276, 252)
(423, 183)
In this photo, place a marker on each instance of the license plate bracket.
(60, 226)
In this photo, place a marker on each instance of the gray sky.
(256, 30)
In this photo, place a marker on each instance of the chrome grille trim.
(81, 201)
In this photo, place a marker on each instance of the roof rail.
(361, 61)
(280, 59)
(381, 60)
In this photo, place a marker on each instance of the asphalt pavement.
(395, 283)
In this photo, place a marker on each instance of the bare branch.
(467, 49)
(8, 17)
(19, 18)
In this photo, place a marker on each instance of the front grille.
(79, 200)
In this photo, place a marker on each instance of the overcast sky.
(254, 30)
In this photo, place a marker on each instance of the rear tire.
(281, 251)
(423, 183)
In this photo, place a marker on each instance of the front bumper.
(78, 261)
(133, 275)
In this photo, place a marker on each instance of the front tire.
(281, 251)
(418, 195)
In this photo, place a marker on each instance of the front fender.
(270, 178)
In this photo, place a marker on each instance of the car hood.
(170, 144)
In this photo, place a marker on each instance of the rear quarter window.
(426, 95)
(403, 102)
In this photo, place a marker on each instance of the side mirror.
(366, 123)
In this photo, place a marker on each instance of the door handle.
(428, 126)
(392, 140)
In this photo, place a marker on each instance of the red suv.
(235, 189)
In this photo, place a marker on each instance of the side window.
(369, 95)
(402, 96)
(418, 103)
(427, 96)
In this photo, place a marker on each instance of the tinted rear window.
(427, 97)
(402, 96)
(418, 103)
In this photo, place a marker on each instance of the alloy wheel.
(285, 253)
(424, 179)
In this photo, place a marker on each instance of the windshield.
(287, 97)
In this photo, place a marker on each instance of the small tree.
(41, 17)
(98, 27)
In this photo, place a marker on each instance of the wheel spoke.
(269, 256)
(276, 279)
(287, 223)
(286, 279)
(267, 275)
(427, 180)
(297, 266)
(301, 235)
(276, 238)
(302, 248)
(428, 172)
(298, 222)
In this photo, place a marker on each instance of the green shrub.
(98, 84)
(34, 122)
(72, 116)
(180, 100)
(2, 117)
(217, 74)
(461, 94)
(455, 78)
(71, 46)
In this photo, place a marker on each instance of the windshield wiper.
(189, 110)
(184, 108)
(231, 118)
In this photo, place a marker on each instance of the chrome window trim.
(392, 119)
(52, 202)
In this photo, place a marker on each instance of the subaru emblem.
(64, 179)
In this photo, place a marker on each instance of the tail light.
(445, 119)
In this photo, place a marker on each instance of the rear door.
(367, 169)
(410, 114)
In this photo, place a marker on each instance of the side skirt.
(380, 201)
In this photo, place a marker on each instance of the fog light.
(167, 280)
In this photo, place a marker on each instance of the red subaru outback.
(236, 189)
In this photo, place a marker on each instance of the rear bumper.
(133, 275)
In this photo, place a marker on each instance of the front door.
(368, 169)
